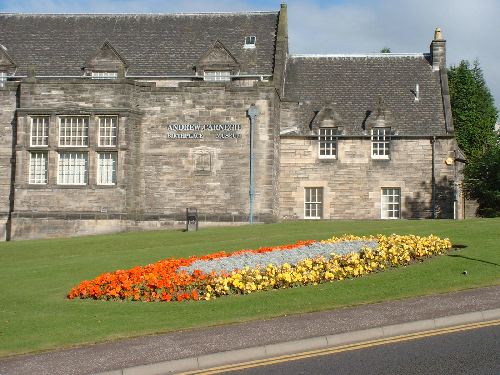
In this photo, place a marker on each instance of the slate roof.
(152, 44)
(355, 84)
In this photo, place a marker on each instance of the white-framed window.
(250, 42)
(381, 142)
(3, 78)
(38, 168)
(108, 130)
(216, 75)
(104, 75)
(313, 203)
(106, 168)
(39, 131)
(72, 168)
(328, 143)
(391, 203)
(73, 131)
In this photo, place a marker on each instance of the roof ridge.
(359, 55)
(140, 14)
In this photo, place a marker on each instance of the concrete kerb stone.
(410, 327)
(353, 337)
(290, 347)
(161, 368)
(296, 346)
(458, 319)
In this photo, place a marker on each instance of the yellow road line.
(343, 348)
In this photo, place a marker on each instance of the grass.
(36, 276)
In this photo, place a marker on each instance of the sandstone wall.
(352, 183)
(7, 131)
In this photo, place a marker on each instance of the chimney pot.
(438, 35)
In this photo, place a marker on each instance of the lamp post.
(252, 112)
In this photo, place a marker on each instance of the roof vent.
(416, 93)
(250, 42)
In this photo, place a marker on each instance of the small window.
(39, 131)
(106, 170)
(72, 168)
(250, 42)
(328, 143)
(104, 75)
(38, 168)
(313, 208)
(381, 140)
(391, 203)
(108, 131)
(3, 78)
(73, 131)
(214, 76)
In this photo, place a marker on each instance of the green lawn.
(36, 275)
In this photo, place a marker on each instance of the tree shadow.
(419, 206)
(474, 259)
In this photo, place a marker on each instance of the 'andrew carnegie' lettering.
(204, 127)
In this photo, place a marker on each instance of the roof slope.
(152, 44)
(354, 86)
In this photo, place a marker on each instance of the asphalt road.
(475, 351)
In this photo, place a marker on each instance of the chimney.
(438, 50)
(281, 51)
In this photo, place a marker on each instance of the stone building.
(120, 122)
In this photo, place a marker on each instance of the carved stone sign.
(201, 131)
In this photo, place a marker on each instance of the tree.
(473, 109)
(474, 117)
(385, 50)
(482, 181)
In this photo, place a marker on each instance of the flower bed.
(247, 271)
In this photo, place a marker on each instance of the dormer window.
(104, 75)
(105, 63)
(250, 42)
(381, 142)
(3, 78)
(217, 76)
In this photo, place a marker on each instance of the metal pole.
(433, 181)
(253, 112)
(251, 191)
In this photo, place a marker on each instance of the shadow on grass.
(474, 259)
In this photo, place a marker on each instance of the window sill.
(37, 186)
(71, 186)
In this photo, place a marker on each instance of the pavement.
(215, 346)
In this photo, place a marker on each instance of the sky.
(339, 26)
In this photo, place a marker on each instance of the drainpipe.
(252, 112)
(433, 182)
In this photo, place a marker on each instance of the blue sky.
(356, 26)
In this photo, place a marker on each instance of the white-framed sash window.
(313, 203)
(104, 75)
(38, 168)
(3, 78)
(106, 168)
(328, 143)
(215, 75)
(73, 131)
(72, 168)
(39, 131)
(391, 203)
(381, 142)
(108, 130)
